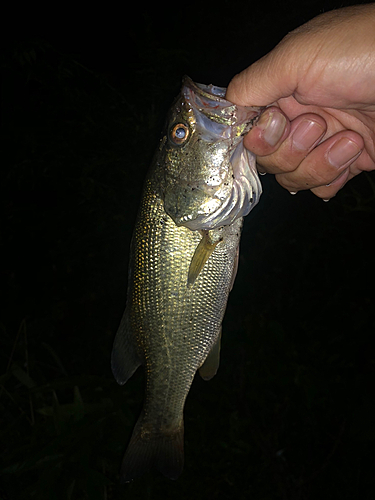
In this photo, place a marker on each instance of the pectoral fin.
(211, 364)
(200, 257)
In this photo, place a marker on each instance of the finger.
(324, 165)
(271, 130)
(304, 134)
(330, 190)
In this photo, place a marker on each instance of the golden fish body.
(183, 262)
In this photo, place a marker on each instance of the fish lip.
(210, 91)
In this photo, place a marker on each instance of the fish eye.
(179, 133)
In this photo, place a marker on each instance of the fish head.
(210, 179)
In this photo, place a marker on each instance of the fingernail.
(292, 192)
(273, 125)
(342, 152)
(307, 134)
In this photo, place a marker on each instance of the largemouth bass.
(184, 256)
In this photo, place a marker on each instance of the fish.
(183, 261)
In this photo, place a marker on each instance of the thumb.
(272, 77)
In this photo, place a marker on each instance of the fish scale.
(179, 277)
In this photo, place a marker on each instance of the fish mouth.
(218, 120)
(209, 101)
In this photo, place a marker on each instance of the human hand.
(320, 130)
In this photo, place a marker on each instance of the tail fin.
(148, 449)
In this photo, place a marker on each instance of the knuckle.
(278, 162)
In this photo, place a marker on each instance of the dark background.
(290, 413)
